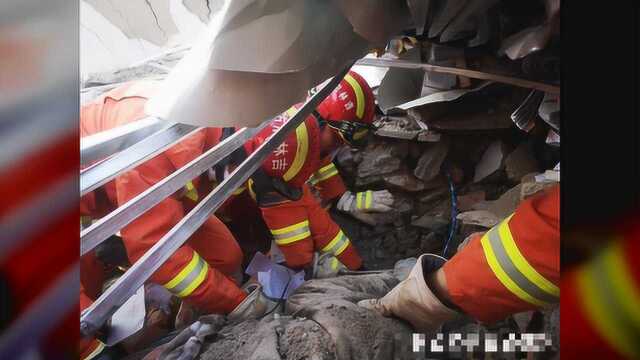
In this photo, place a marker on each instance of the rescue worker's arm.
(328, 182)
(512, 268)
(302, 227)
(186, 274)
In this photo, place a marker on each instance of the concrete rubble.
(439, 137)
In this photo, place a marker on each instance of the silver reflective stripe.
(512, 271)
(193, 274)
(337, 245)
(282, 237)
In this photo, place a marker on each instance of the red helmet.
(299, 154)
(349, 109)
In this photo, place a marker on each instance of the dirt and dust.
(320, 321)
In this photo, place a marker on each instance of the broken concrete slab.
(483, 218)
(382, 158)
(467, 201)
(520, 162)
(429, 164)
(399, 127)
(436, 217)
(491, 161)
(404, 180)
(529, 189)
(505, 205)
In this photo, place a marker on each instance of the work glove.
(365, 201)
(254, 306)
(326, 266)
(412, 300)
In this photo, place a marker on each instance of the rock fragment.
(429, 164)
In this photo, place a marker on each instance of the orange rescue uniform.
(301, 227)
(514, 267)
(201, 271)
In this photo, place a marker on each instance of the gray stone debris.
(399, 127)
(520, 162)
(479, 217)
(505, 205)
(428, 166)
(382, 158)
(404, 180)
(492, 160)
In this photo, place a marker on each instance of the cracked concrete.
(150, 20)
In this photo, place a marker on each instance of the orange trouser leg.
(289, 225)
(187, 275)
(329, 238)
(217, 246)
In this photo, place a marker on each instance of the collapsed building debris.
(458, 154)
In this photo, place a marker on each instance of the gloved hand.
(366, 201)
(254, 306)
(326, 266)
(412, 300)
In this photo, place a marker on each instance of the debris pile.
(458, 153)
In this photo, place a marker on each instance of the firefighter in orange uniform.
(205, 272)
(513, 267)
(301, 227)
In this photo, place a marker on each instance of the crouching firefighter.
(206, 271)
(286, 184)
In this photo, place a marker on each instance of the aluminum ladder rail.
(132, 209)
(106, 143)
(99, 312)
(102, 172)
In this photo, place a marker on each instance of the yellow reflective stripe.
(340, 237)
(251, 192)
(359, 200)
(334, 264)
(368, 199)
(184, 272)
(294, 238)
(607, 311)
(502, 275)
(318, 177)
(359, 95)
(191, 191)
(326, 168)
(521, 263)
(290, 228)
(195, 283)
(302, 138)
(291, 233)
(96, 351)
